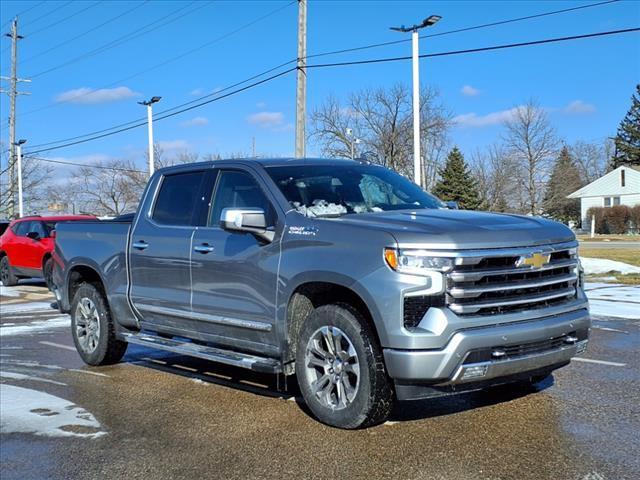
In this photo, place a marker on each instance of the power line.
(86, 32)
(68, 17)
(143, 119)
(247, 87)
(128, 37)
(23, 12)
(475, 50)
(101, 167)
(163, 115)
(177, 57)
(460, 30)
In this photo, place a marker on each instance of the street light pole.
(149, 104)
(18, 146)
(415, 58)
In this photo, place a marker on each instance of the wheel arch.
(82, 273)
(312, 294)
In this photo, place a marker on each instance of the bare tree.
(532, 142)
(104, 188)
(493, 169)
(592, 158)
(382, 120)
(36, 175)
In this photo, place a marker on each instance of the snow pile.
(30, 411)
(608, 300)
(8, 291)
(35, 326)
(594, 266)
(320, 208)
(22, 376)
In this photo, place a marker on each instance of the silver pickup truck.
(343, 273)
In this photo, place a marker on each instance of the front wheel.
(93, 328)
(340, 369)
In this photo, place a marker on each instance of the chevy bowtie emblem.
(535, 260)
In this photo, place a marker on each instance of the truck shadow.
(273, 386)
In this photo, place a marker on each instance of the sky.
(91, 62)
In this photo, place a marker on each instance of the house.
(618, 187)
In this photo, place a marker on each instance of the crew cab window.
(236, 189)
(178, 199)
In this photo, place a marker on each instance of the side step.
(227, 357)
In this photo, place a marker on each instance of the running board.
(227, 357)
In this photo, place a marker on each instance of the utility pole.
(13, 93)
(415, 43)
(301, 89)
(18, 146)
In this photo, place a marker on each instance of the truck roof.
(264, 162)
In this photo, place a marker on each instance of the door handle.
(204, 248)
(141, 245)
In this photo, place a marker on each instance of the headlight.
(416, 262)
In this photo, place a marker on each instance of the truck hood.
(463, 229)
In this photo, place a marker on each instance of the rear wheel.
(7, 277)
(93, 328)
(47, 272)
(340, 369)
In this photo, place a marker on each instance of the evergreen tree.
(456, 183)
(565, 179)
(627, 139)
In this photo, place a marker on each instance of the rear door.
(234, 274)
(160, 250)
(17, 249)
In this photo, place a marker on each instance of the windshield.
(335, 190)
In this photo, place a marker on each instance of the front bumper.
(452, 364)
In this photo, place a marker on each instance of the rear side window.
(38, 227)
(178, 199)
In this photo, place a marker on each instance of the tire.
(47, 273)
(362, 396)
(7, 277)
(93, 329)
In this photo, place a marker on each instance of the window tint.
(238, 189)
(21, 229)
(38, 228)
(178, 198)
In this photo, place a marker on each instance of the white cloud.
(469, 91)
(266, 119)
(261, 104)
(196, 92)
(579, 107)
(195, 122)
(494, 118)
(87, 96)
(169, 145)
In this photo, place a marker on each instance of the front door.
(160, 251)
(234, 274)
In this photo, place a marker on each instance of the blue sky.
(585, 84)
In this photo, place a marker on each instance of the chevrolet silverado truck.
(348, 275)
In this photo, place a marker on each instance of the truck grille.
(493, 282)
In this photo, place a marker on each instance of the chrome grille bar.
(463, 292)
(468, 308)
(475, 275)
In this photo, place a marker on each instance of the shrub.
(635, 218)
(616, 220)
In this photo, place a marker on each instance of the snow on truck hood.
(463, 229)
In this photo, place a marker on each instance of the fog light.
(581, 347)
(475, 372)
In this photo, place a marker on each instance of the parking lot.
(158, 415)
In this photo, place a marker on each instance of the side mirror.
(249, 220)
(451, 205)
(33, 235)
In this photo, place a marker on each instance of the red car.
(26, 247)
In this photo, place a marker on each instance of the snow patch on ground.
(22, 376)
(35, 326)
(594, 266)
(618, 301)
(8, 292)
(26, 307)
(30, 411)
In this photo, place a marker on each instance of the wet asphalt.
(169, 416)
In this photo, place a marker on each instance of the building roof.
(611, 184)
